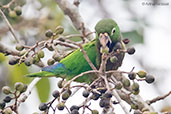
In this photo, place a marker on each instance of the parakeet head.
(107, 32)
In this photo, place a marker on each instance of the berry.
(18, 10)
(24, 88)
(56, 57)
(28, 61)
(125, 82)
(6, 90)
(13, 61)
(108, 95)
(40, 54)
(61, 106)
(104, 103)
(118, 85)
(102, 90)
(149, 79)
(136, 92)
(56, 94)
(66, 95)
(50, 62)
(2, 105)
(36, 59)
(104, 50)
(85, 93)
(126, 41)
(95, 96)
(74, 111)
(113, 59)
(60, 84)
(50, 47)
(131, 51)
(7, 99)
(48, 33)
(74, 107)
(19, 47)
(43, 106)
(94, 112)
(135, 86)
(132, 76)
(19, 86)
(59, 30)
(134, 106)
(12, 14)
(141, 74)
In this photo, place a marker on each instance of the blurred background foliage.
(40, 15)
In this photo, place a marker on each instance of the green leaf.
(2, 57)
(43, 89)
(16, 74)
(134, 37)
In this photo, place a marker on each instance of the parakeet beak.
(104, 39)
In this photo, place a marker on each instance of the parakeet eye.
(113, 31)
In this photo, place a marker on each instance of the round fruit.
(149, 79)
(85, 93)
(142, 74)
(131, 51)
(43, 106)
(56, 94)
(6, 90)
(48, 33)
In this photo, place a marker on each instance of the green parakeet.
(107, 34)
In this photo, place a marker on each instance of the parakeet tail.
(41, 74)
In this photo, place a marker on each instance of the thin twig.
(9, 26)
(159, 98)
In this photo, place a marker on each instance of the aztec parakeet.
(107, 33)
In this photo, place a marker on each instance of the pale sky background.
(155, 51)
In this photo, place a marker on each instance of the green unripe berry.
(104, 50)
(125, 82)
(132, 76)
(7, 99)
(141, 74)
(7, 111)
(12, 14)
(61, 106)
(48, 33)
(113, 59)
(149, 79)
(40, 54)
(74, 107)
(36, 59)
(19, 86)
(2, 105)
(18, 10)
(131, 51)
(136, 92)
(118, 85)
(135, 86)
(56, 94)
(65, 95)
(24, 88)
(28, 61)
(56, 57)
(6, 90)
(59, 30)
(13, 60)
(74, 111)
(43, 106)
(94, 112)
(85, 93)
(50, 61)
(60, 84)
(19, 47)
(134, 106)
